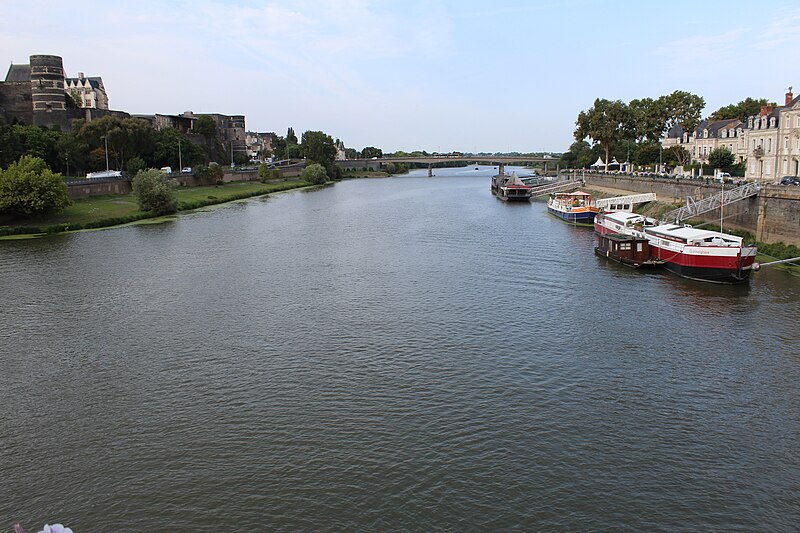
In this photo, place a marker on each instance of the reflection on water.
(403, 353)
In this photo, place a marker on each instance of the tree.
(677, 156)
(205, 126)
(28, 188)
(351, 153)
(370, 151)
(155, 192)
(291, 138)
(135, 165)
(579, 155)
(721, 158)
(314, 173)
(173, 148)
(682, 109)
(318, 147)
(649, 118)
(605, 123)
(744, 109)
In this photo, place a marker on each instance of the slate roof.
(18, 73)
(714, 127)
(94, 82)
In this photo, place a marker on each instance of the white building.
(88, 92)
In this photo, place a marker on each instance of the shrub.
(155, 192)
(314, 173)
(29, 188)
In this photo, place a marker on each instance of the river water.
(388, 354)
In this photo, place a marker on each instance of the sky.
(433, 75)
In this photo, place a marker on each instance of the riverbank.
(96, 212)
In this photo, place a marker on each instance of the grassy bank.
(104, 211)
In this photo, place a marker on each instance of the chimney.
(765, 110)
(789, 97)
(80, 75)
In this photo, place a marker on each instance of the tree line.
(633, 131)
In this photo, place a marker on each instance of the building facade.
(768, 143)
(87, 92)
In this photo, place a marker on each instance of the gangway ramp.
(558, 186)
(628, 201)
(711, 203)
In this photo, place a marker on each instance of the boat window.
(625, 246)
(638, 247)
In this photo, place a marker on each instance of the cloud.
(782, 34)
(704, 50)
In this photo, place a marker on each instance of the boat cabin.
(693, 236)
(626, 249)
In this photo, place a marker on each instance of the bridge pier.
(430, 170)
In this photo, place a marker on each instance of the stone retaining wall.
(772, 216)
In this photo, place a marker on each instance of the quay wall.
(772, 216)
(98, 187)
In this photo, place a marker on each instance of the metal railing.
(628, 200)
(559, 186)
(711, 203)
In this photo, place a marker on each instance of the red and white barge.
(693, 253)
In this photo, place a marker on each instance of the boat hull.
(573, 217)
(727, 269)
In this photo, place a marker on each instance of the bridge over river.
(499, 160)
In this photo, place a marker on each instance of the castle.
(40, 94)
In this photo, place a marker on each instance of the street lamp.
(105, 138)
(180, 159)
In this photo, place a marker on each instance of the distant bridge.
(489, 159)
(499, 160)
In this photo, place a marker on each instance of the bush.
(29, 188)
(314, 173)
(155, 192)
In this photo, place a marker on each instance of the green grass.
(104, 211)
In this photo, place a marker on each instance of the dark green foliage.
(721, 158)
(579, 155)
(742, 110)
(29, 189)
(205, 126)
(318, 147)
(291, 138)
(155, 192)
(370, 151)
(134, 166)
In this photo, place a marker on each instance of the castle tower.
(47, 89)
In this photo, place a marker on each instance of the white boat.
(690, 252)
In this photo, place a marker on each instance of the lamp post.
(232, 165)
(105, 138)
(180, 159)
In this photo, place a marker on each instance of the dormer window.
(763, 123)
(705, 134)
(772, 122)
(750, 123)
(724, 133)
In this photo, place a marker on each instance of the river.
(388, 354)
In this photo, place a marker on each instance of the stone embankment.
(772, 216)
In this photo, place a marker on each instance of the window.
(624, 246)
(639, 247)
(769, 145)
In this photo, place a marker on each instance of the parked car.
(790, 180)
(186, 170)
(166, 170)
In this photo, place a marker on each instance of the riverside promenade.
(771, 216)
